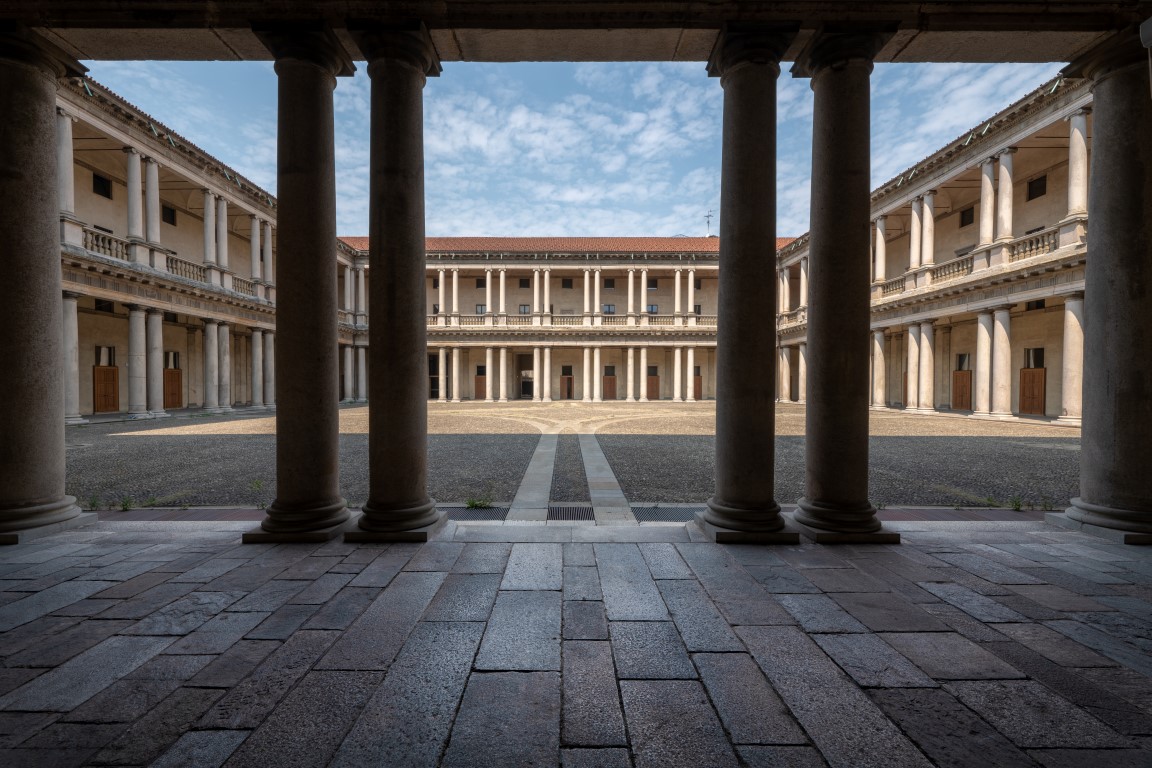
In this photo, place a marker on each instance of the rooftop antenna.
(708, 222)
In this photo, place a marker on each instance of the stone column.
(927, 367)
(1072, 372)
(456, 352)
(65, 164)
(546, 307)
(881, 250)
(349, 374)
(536, 308)
(211, 367)
(587, 393)
(982, 374)
(135, 186)
(546, 375)
(631, 297)
(987, 201)
(443, 375)
(631, 379)
(71, 350)
(1002, 363)
(785, 375)
(690, 368)
(503, 292)
(308, 502)
(1004, 197)
(879, 371)
(32, 379)
(441, 288)
(1115, 484)
(677, 374)
(269, 370)
(152, 201)
(362, 384)
(743, 506)
(488, 292)
(597, 376)
(587, 293)
(224, 344)
(915, 233)
(137, 363)
(691, 308)
(928, 230)
(1078, 163)
(642, 310)
(597, 307)
(503, 371)
(257, 351)
(455, 287)
(942, 355)
(676, 306)
(536, 393)
(802, 372)
(643, 374)
(912, 377)
(155, 363)
(254, 247)
(785, 301)
(222, 233)
(489, 377)
(835, 505)
(210, 231)
(804, 281)
(266, 252)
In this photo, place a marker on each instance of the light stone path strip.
(608, 502)
(531, 502)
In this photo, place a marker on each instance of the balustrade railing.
(1035, 244)
(895, 285)
(433, 320)
(187, 269)
(105, 244)
(519, 320)
(613, 320)
(706, 320)
(950, 270)
(471, 319)
(567, 320)
(246, 287)
(794, 316)
(661, 320)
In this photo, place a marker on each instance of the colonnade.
(1115, 493)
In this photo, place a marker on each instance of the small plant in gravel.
(126, 503)
(1046, 503)
(151, 501)
(1016, 503)
(93, 503)
(880, 505)
(478, 503)
(991, 501)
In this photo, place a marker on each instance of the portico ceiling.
(580, 30)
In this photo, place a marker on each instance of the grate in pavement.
(569, 512)
(665, 514)
(466, 513)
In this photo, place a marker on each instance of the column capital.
(1006, 151)
(154, 311)
(150, 159)
(881, 219)
(1073, 296)
(1114, 54)
(129, 150)
(21, 43)
(740, 45)
(314, 43)
(503, 270)
(208, 321)
(65, 113)
(1084, 110)
(72, 295)
(631, 270)
(207, 192)
(454, 269)
(135, 307)
(408, 43)
(834, 48)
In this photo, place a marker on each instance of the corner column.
(308, 505)
(399, 62)
(743, 507)
(835, 506)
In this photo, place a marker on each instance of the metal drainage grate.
(569, 512)
(465, 513)
(665, 514)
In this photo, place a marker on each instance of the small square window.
(653, 283)
(1038, 187)
(172, 360)
(1034, 358)
(565, 282)
(963, 361)
(101, 185)
(609, 309)
(565, 370)
(653, 309)
(435, 309)
(525, 309)
(481, 309)
(171, 317)
(105, 357)
(609, 283)
(525, 282)
(699, 283)
(435, 282)
(967, 216)
(696, 309)
(696, 370)
(1031, 305)
(168, 214)
(481, 282)
(481, 370)
(103, 305)
(609, 370)
(653, 370)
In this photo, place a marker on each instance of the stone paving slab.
(976, 643)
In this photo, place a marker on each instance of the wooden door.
(1032, 382)
(105, 389)
(698, 387)
(567, 388)
(653, 387)
(173, 388)
(609, 388)
(962, 390)
(904, 390)
(480, 388)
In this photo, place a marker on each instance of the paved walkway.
(971, 644)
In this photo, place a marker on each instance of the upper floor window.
(653, 309)
(963, 361)
(699, 283)
(481, 282)
(168, 214)
(435, 282)
(565, 282)
(1034, 358)
(104, 305)
(101, 185)
(609, 309)
(696, 309)
(1038, 187)
(609, 283)
(968, 216)
(1031, 305)
(105, 356)
(653, 283)
(435, 309)
(525, 282)
(481, 309)
(525, 309)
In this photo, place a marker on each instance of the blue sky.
(568, 149)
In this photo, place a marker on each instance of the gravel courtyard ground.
(660, 452)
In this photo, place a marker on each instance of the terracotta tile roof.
(568, 244)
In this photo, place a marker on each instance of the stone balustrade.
(105, 244)
(187, 269)
(950, 270)
(1035, 244)
(895, 285)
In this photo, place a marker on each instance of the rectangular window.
(699, 283)
(1034, 358)
(103, 305)
(1031, 305)
(525, 282)
(1038, 187)
(695, 370)
(435, 309)
(565, 370)
(525, 309)
(968, 216)
(481, 309)
(435, 283)
(168, 214)
(609, 283)
(106, 356)
(696, 309)
(964, 362)
(653, 309)
(609, 370)
(653, 370)
(171, 317)
(609, 309)
(653, 283)
(481, 370)
(481, 282)
(101, 185)
(565, 282)
(171, 360)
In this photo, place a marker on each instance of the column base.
(210, 411)
(417, 523)
(225, 409)
(260, 536)
(160, 414)
(722, 535)
(23, 535)
(836, 524)
(1072, 421)
(73, 421)
(361, 400)
(454, 400)
(136, 416)
(502, 400)
(820, 536)
(284, 523)
(1111, 534)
